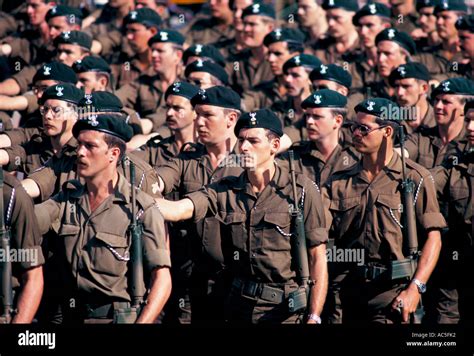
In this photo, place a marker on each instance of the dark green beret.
(91, 64)
(183, 89)
(454, 86)
(55, 71)
(144, 16)
(76, 38)
(450, 5)
(380, 107)
(107, 123)
(409, 70)
(420, 4)
(212, 68)
(325, 98)
(263, 118)
(302, 60)
(372, 9)
(402, 38)
(332, 72)
(349, 5)
(65, 92)
(206, 52)
(259, 9)
(101, 101)
(167, 36)
(63, 10)
(217, 96)
(465, 23)
(284, 35)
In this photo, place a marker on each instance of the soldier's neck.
(327, 145)
(450, 47)
(58, 142)
(374, 162)
(218, 151)
(184, 135)
(259, 177)
(450, 131)
(371, 55)
(100, 187)
(346, 42)
(258, 54)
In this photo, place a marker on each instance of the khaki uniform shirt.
(256, 227)
(263, 95)
(367, 215)
(208, 31)
(310, 162)
(157, 151)
(129, 71)
(325, 50)
(427, 149)
(245, 74)
(96, 245)
(428, 121)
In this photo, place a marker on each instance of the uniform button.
(274, 295)
(253, 254)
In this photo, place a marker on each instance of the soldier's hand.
(406, 302)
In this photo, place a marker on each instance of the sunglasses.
(363, 129)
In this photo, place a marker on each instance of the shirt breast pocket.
(343, 212)
(109, 253)
(277, 231)
(390, 210)
(234, 224)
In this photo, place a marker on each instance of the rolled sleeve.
(156, 253)
(314, 216)
(170, 174)
(47, 213)
(427, 207)
(200, 201)
(24, 78)
(17, 158)
(45, 178)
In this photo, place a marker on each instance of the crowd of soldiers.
(238, 161)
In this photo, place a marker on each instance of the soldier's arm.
(10, 87)
(160, 290)
(47, 213)
(31, 187)
(318, 270)
(5, 141)
(170, 175)
(11, 103)
(4, 158)
(30, 295)
(176, 210)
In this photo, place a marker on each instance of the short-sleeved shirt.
(368, 215)
(256, 228)
(208, 31)
(261, 96)
(325, 50)
(95, 245)
(157, 151)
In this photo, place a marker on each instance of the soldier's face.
(179, 112)
(58, 117)
(339, 22)
(466, 40)
(164, 57)
(220, 9)
(119, 3)
(371, 142)
(448, 108)
(389, 56)
(427, 19)
(59, 24)
(239, 6)
(368, 29)
(202, 79)
(469, 119)
(41, 85)
(211, 124)
(138, 36)
(69, 53)
(277, 55)
(36, 11)
(93, 154)
(410, 91)
(91, 81)
(445, 24)
(256, 148)
(255, 30)
(329, 84)
(307, 12)
(322, 124)
(146, 3)
(296, 81)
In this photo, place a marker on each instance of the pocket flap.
(234, 218)
(345, 204)
(112, 239)
(390, 200)
(281, 219)
(67, 229)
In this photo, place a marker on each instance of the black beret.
(259, 9)
(372, 9)
(332, 72)
(55, 71)
(183, 89)
(409, 70)
(144, 16)
(204, 51)
(217, 96)
(454, 86)
(349, 5)
(212, 68)
(165, 36)
(465, 23)
(63, 10)
(284, 35)
(110, 124)
(263, 118)
(302, 60)
(380, 107)
(450, 5)
(468, 106)
(65, 92)
(402, 38)
(74, 37)
(325, 98)
(91, 64)
(420, 4)
(101, 101)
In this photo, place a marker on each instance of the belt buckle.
(250, 289)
